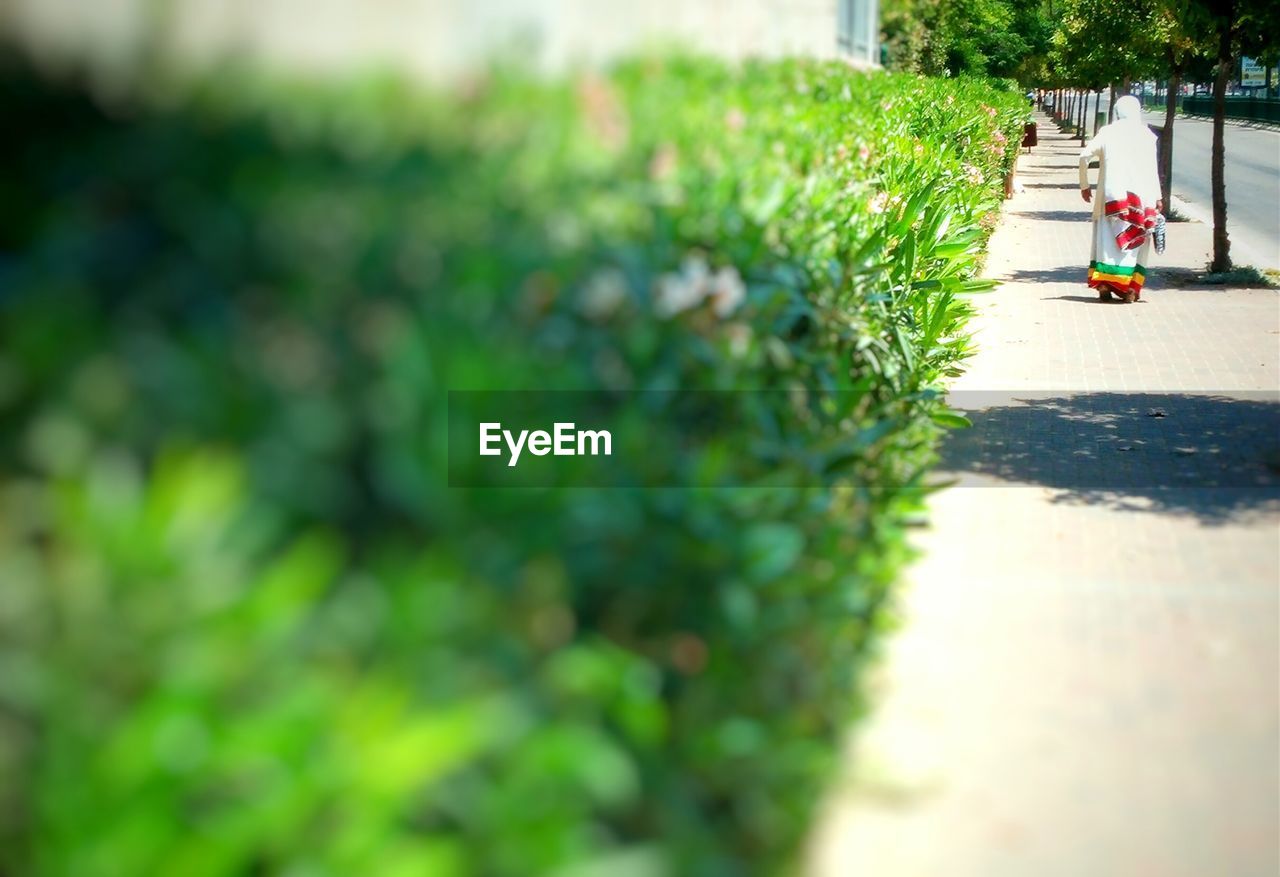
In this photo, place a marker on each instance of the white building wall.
(435, 39)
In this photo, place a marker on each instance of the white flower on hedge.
(882, 202)
(680, 292)
(727, 291)
(694, 284)
(696, 271)
(603, 294)
(674, 295)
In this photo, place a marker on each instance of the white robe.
(1126, 153)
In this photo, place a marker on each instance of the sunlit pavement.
(1087, 677)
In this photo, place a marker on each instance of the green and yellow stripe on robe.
(1119, 277)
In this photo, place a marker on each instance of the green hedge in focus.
(245, 625)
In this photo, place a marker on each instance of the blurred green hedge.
(245, 626)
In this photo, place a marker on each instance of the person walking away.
(1129, 200)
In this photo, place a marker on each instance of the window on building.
(859, 29)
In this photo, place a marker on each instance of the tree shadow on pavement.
(1160, 281)
(1048, 275)
(1087, 299)
(1212, 456)
(1082, 215)
(1192, 280)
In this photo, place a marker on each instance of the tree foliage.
(1074, 43)
(1100, 42)
(1002, 38)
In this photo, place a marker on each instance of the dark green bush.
(246, 626)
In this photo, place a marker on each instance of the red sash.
(1137, 219)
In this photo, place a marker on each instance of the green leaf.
(951, 250)
(942, 229)
(772, 549)
(951, 420)
(767, 207)
(907, 257)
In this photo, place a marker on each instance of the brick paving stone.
(1087, 677)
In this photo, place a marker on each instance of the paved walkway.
(1087, 677)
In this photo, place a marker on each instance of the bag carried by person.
(1157, 233)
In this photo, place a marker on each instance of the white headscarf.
(1128, 149)
(1129, 110)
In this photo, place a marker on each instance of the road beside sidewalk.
(1087, 677)
(1252, 180)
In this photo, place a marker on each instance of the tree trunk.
(1084, 109)
(1111, 110)
(1166, 152)
(1097, 108)
(1221, 245)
